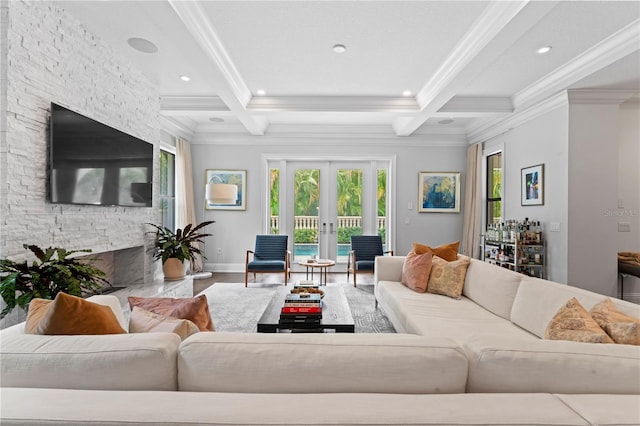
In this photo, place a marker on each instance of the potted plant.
(175, 248)
(51, 273)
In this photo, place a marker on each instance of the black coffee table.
(336, 314)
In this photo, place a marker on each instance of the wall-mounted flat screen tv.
(92, 163)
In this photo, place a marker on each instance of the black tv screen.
(92, 163)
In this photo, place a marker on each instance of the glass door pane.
(306, 197)
(381, 224)
(349, 209)
(274, 201)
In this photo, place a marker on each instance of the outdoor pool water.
(306, 250)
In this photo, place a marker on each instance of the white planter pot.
(174, 269)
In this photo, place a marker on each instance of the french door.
(321, 203)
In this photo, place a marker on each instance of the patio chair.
(270, 255)
(362, 256)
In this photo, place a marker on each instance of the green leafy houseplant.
(180, 244)
(51, 273)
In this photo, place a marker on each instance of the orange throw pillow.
(195, 309)
(415, 271)
(448, 252)
(622, 328)
(70, 315)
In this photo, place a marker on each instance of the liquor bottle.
(538, 233)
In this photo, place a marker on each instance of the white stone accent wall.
(50, 57)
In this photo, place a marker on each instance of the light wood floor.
(238, 277)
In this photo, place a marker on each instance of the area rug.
(236, 308)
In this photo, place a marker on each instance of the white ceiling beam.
(180, 105)
(234, 91)
(333, 104)
(615, 47)
(478, 104)
(471, 56)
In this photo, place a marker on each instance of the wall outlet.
(409, 205)
(407, 221)
(621, 203)
(624, 227)
(555, 227)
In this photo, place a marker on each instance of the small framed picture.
(223, 196)
(438, 192)
(532, 185)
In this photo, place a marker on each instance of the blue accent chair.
(362, 256)
(270, 255)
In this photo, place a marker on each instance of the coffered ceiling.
(410, 67)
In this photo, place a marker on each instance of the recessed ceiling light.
(260, 92)
(445, 121)
(142, 45)
(406, 93)
(339, 48)
(217, 119)
(543, 50)
(185, 78)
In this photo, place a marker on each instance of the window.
(494, 188)
(167, 191)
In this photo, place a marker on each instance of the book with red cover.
(301, 310)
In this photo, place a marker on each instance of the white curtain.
(473, 203)
(185, 204)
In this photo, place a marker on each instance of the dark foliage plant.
(52, 272)
(180, 244)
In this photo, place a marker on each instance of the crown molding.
(600, 96)
(175, 128)
(492, 128)
(187, 104)
(608, 51)
(332, 136)
(332, 104)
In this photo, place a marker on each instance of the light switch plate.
(555, 226)
(624, 227)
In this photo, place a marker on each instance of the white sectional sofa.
(474, 361)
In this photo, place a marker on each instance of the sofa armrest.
(388, 268)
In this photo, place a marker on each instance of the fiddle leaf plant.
(180, 244)
(51, 273)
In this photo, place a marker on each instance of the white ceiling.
(469, 61)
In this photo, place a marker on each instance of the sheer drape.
(185, 204)
(472, 203)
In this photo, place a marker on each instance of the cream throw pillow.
(447, 278)
(573, 322)
(415, 271)
(143, 321)
(622, 328)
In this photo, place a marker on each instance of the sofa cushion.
(142, 321)
(201, 408)
(573, 322)
(415, 271)
(447, 278)
(70, 315)
(492, 287)
(505, 364)
(115, 361)
(622, 328)
(320, 363)
(537, 301)
(435, 315)
(448, 252)
(195, 309)
(605, 410)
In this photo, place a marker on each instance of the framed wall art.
(230, 200)
(438, 192)
(532, 185)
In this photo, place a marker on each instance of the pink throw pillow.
(415, 271)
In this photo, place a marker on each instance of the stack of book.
(303, 309)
